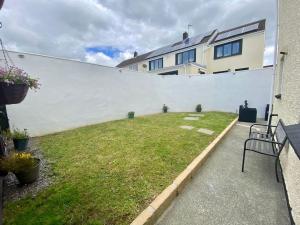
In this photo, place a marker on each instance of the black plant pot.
(21, 144)
(12, 93)
(29, 175)
(3, 173)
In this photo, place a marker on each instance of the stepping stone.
(191, 118)
(205, 131)
(187, 127)
(198, 115)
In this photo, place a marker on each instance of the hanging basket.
(12, 93)
(1, 3)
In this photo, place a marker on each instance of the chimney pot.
(185, 35)
(135, 54)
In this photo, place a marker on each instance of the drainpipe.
(275, 56)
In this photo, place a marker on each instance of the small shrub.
(130, 115)
(165, 108)
(199, 108)
(17, 162)
(20, 162)
(17, 134)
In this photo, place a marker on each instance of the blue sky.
(107, 50)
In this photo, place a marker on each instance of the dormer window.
(228, 49)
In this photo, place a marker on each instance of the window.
(156, 64)
(133, 67)
(228, 49)
(186, 57)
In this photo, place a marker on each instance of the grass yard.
(108, 173)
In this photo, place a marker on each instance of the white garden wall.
(75, 94)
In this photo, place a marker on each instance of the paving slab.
(220, 194)
(191, 118)
(196, 114)
(205, 131)
(187, 127)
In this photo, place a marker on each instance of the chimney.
(135, 54)
(185, 35)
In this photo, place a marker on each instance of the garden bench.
(266, 143)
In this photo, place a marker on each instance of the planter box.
(247, 114)
(12, 93)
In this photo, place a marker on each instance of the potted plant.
(199, 108)
(14, 85)
(165, 108)
(130, 115)
(20, 139)
(24, 166)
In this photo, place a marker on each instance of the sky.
(107, 32)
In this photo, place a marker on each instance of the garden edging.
(150, 215)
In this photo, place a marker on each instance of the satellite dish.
(1, 3)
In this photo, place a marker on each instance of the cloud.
(67, 28)
(103, 59)
(269, 55)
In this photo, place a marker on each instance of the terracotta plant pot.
(29, 175)
(12, 93)
(21, 144)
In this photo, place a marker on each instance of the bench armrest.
(263, 140)
(258, 125)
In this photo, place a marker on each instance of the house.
(286, 97)
(235, 49)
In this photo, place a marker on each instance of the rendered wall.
(75, 94)
(252, 55)
(287, 82)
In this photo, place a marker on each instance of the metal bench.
(264, 129)
(266, 143)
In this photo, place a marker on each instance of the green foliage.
(17, 134)
(15, 75)
(199, 108)
(130, 115)
(17, 162)
(108, 173)
(165, 108)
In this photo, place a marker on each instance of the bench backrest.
(280, 133)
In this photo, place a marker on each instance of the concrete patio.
(221, 194)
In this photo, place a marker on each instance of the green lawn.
(108, 173)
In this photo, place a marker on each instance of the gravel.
(13, 191)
